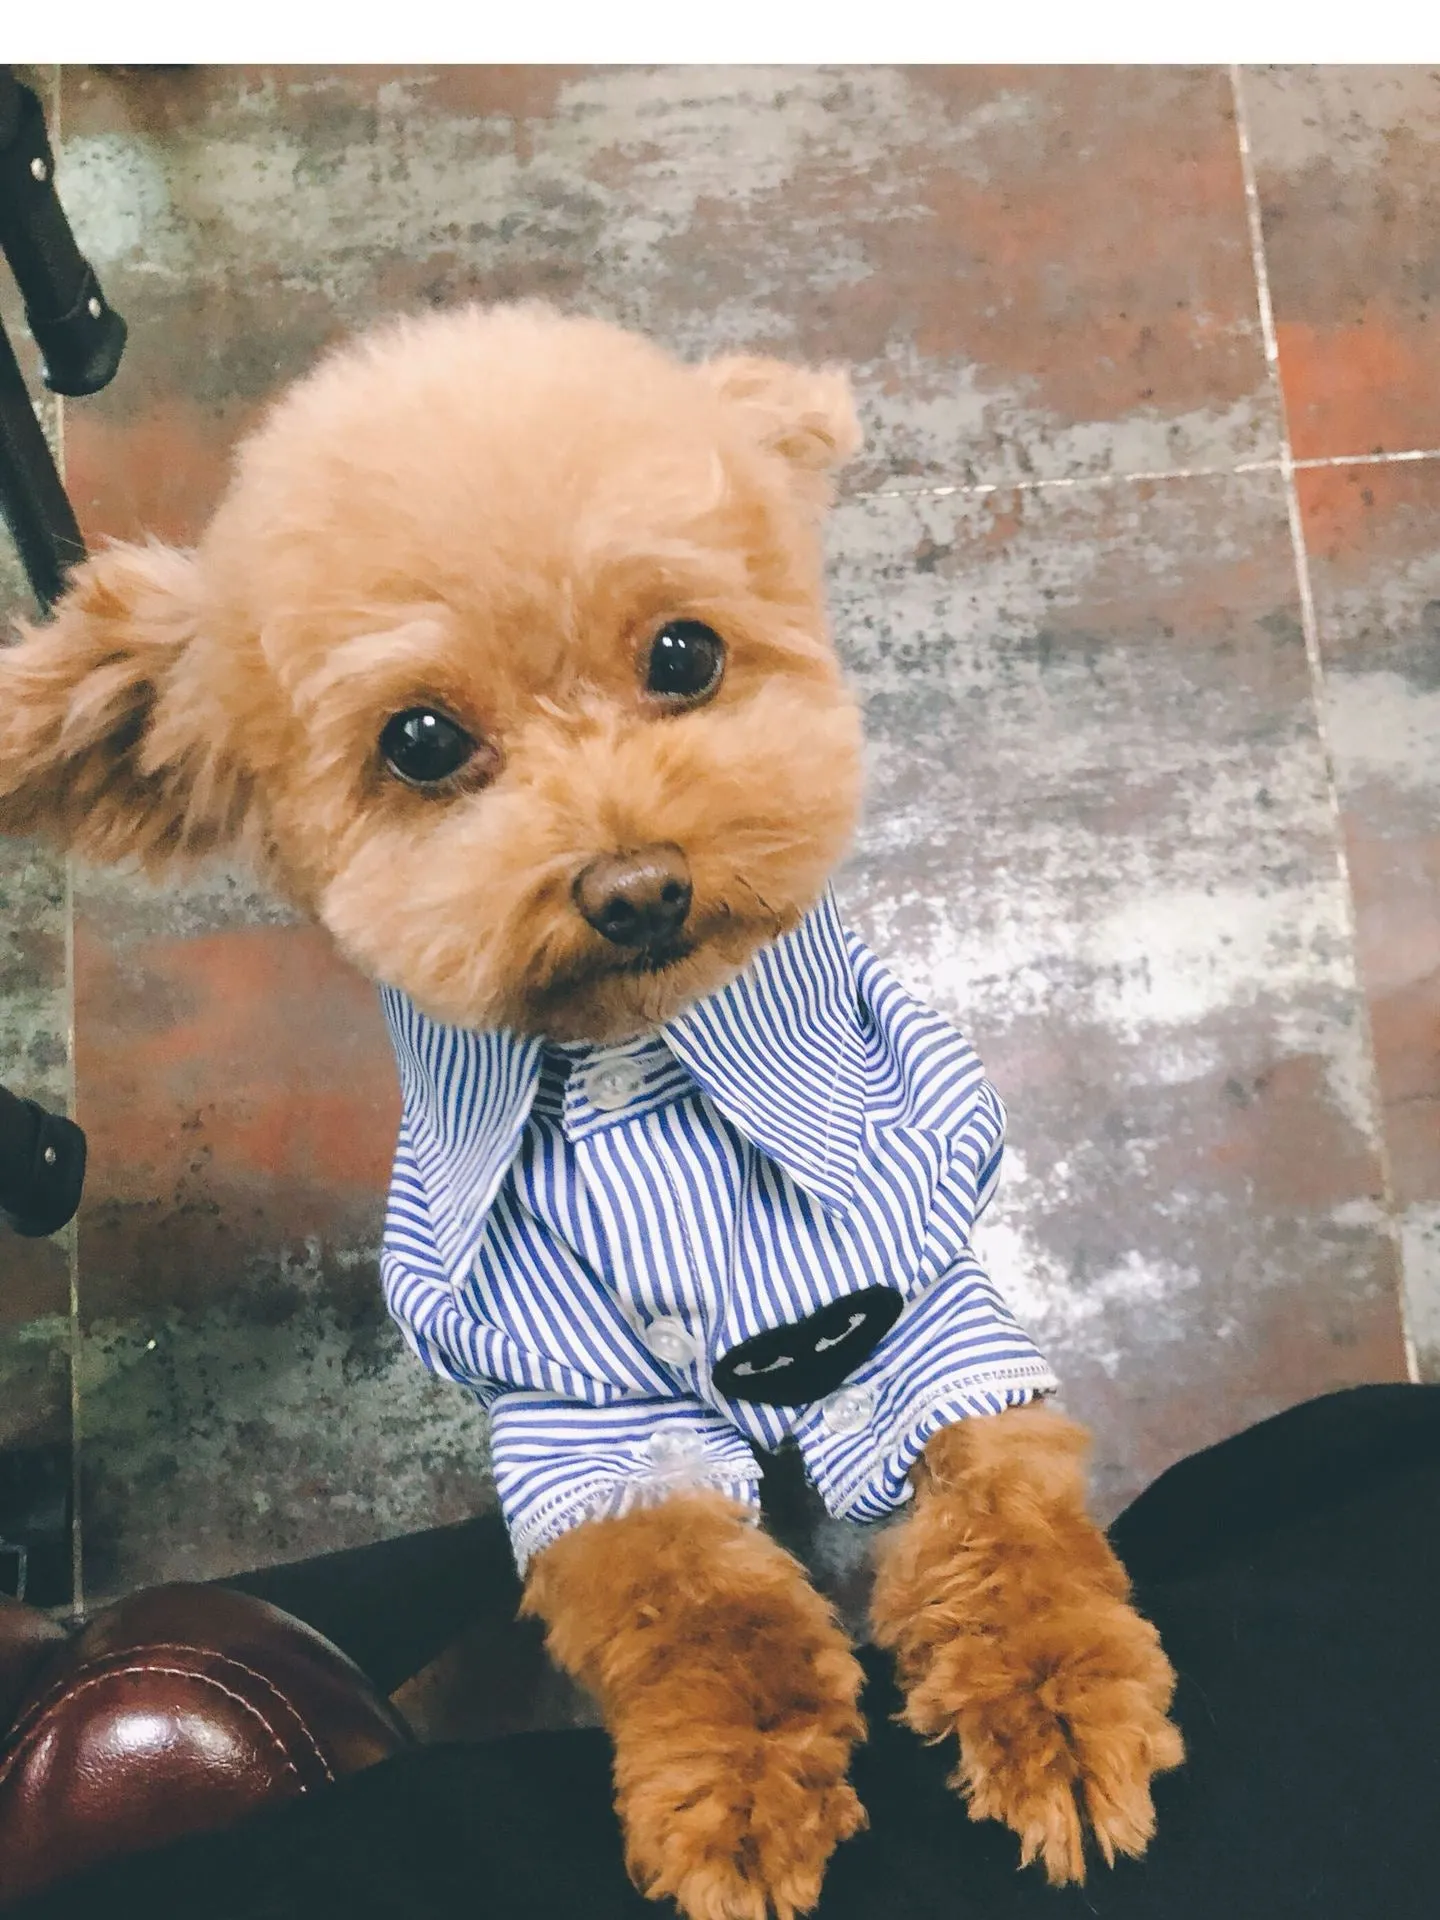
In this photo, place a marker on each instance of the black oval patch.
(790, 1366)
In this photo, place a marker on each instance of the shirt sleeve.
(449, 1341)
(419, 1296)
(558, 1462)
(444, 1340)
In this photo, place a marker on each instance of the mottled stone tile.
(1033, 271)
(34, 1062)
(35, 1415)
(238, 1432)
(1348, 164)
(34, 995)
(1374, 535)
(245, 1398)
(1100, 836)
(1420, 1242)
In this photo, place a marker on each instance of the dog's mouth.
(614, 967)
(655, 959)
(602, 994)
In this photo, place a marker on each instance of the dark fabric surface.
(396, 1605)
(1293, 1574)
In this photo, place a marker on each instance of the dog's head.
(505, 656)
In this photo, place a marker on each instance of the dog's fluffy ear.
(805, 414)
(110, 742)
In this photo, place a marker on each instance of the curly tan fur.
(1010, 1618)
(730, 1693)
(113, 731)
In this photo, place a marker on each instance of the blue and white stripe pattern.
(578, 1234)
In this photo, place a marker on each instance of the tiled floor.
(1155, 795)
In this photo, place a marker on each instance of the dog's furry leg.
(1010, 1618)
(730, 1693)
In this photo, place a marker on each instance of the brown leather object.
(177, 1710)
(28, 1639)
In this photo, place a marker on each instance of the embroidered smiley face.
(788, 1366)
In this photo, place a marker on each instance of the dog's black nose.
(636, 899)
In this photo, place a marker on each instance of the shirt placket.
(639, 1208)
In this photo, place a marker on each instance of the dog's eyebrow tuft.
(372, 662)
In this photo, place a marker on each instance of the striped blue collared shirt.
(750, 1227)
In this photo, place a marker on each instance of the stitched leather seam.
(97, 1664)
(263, 1680)
(64, 1693)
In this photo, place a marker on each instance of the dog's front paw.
(1010, 1619)
(730, 1692)
(1062, 1722)
(736, 1825)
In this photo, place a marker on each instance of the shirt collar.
(779, 1051)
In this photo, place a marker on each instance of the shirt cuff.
(955, 1354)
(558, 1462)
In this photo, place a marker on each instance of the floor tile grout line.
(1277, 463)
(1405, 455)
(1058, 482)
(1311, 629)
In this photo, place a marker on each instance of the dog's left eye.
(425, 747)
(687, 660)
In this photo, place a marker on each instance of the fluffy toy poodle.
(505, 657)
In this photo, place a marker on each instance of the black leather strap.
(42, 1167)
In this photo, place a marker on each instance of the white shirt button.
(676, 1447)
(848, 1410)
(670, 1340)
(611, 1086)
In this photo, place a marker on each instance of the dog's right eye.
(424, 747)
(686, 662)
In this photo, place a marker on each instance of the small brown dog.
(506, 658)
